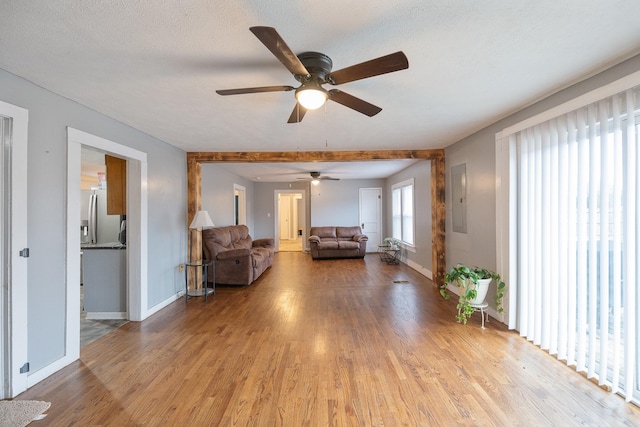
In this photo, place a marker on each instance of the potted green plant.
(473, 283)
(393, 244)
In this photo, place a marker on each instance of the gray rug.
(19, 413)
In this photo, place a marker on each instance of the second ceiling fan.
(316, 177)
(313, 69)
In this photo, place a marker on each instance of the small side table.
(388, 254)
(203, 290)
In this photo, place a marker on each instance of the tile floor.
(92, 329)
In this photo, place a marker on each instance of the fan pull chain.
(326, 119)
(298, 130)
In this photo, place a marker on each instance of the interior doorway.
(103, 266)
(290, 220)
(137, 253)
(239, 204)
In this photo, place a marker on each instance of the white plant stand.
(481, 308)
(478, 303)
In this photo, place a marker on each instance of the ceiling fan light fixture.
(311, 96)
(315, 181)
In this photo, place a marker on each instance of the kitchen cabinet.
(116, 185)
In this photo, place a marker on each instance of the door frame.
(13, 294)
(276, 216)
(240, 209)
(137, 265)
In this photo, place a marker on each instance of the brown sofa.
(239, 260)
(337, 242)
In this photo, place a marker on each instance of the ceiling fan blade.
(354, 103)
(254, 90)
(385, 64)
(328, 178)
(297, 114)
(272, 40)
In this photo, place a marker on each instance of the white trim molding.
(13, 297)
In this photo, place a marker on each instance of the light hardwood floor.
(332, 342)
(294, 245)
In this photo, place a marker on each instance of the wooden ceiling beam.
(313, 156)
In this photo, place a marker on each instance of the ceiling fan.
(313, 69)
(316, 177)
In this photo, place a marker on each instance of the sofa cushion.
(348, 244)
(260, 255)
(257, 257)
(233, 253)
(327, 245)
(224, 238)
(324, 232)
(347, 232)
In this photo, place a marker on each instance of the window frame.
(398, 214)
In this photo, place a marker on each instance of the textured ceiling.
(155, 65)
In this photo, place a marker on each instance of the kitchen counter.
(108, 245)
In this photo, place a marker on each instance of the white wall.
(49, 117)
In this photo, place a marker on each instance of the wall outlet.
(181, 268)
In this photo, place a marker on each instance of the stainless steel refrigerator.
(96, 226)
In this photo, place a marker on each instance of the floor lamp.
(201, 220)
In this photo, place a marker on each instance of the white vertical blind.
(577, 260)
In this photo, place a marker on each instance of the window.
(402, 212)
(573, 227)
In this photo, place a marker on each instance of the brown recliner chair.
(239, 260)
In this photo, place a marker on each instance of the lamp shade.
(202, 219)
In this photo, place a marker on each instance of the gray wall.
(337, 202)
(421, 173)
(264, 205)
(49, 116)
(218, 195)
(330, 203)
(478, 245)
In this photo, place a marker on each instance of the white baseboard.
(417, 267)
(156, 308)
(106, 315)
(50, 369)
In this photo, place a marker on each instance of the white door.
(371, 216)
(285, 217)
(13, 269)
